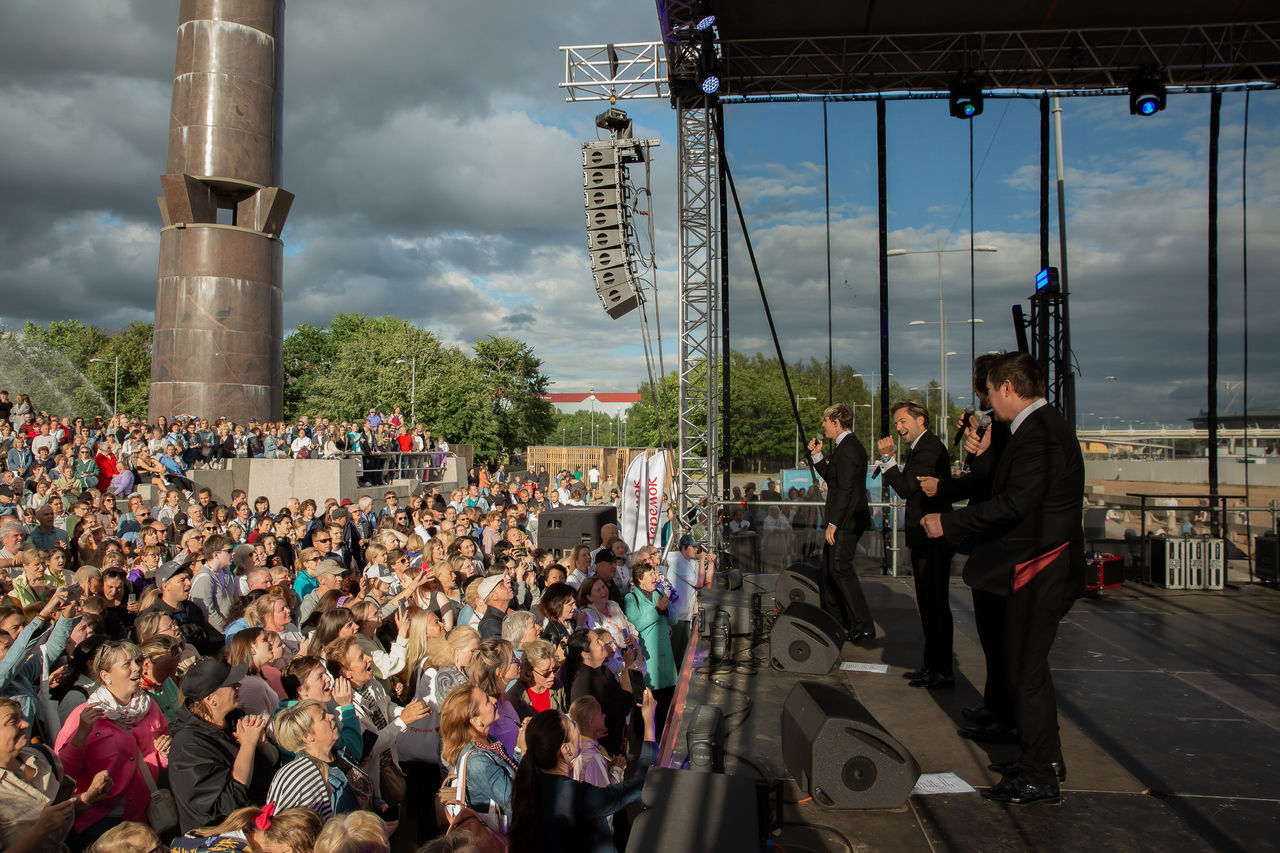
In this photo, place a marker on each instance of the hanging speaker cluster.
(605, 198)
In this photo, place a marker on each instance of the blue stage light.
(1146, 93)
(966, 96)
(711, 84)
(703, 16)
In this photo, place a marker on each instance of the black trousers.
(988, 614)
(842, 596)
(1031, 622)
(931, 569)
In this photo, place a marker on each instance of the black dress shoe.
(934, 681)
(913, 674)
(990, 733)
(1017, 791)
(978, 715)
(859, 636)
(1011, 768)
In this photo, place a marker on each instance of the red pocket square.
(1025, 573)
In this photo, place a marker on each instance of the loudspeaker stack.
(605, 198)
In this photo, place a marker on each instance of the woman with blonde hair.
(424, 626)
(257, 828)
(322, 777)
(451, 657)
(356, 832)
(579, 565)
(127, 837)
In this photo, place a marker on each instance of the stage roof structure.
(863, 47)
(763, 50)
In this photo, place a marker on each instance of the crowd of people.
(332, 676)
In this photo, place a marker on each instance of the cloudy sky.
(437, 177)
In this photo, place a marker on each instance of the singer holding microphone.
(925, 456)
(847, 517)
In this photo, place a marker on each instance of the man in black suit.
(847, 517)
(994, 720)
(1028, 546)
(925, 456)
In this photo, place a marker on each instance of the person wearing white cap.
(328, 575)
(495, 594)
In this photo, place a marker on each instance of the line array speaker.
(604, 200)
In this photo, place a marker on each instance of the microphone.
(984, 421)
(963, 425)
(881, 464)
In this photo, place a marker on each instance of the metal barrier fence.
(379, 469)
(771, 548)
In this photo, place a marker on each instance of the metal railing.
(880, 541)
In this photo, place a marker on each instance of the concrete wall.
(1194, 471)
(281, 479)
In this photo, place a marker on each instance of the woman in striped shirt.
(322, 777)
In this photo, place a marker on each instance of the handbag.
(162, 809)
(421, 740)
(487, 831)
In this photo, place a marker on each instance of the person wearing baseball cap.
(495, 595)
(173, 579)
(215, 764)
(328, 576)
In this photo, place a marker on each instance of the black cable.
(764, 777)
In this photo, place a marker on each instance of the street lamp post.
(875, 389)
(942, 319)
(870, 423)
(115, 383)
(799, 400)
(413, 387)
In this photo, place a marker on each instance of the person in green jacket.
(647, 610)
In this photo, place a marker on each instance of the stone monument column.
(219, 332)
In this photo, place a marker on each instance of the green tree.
(86, 386)
(514, 379)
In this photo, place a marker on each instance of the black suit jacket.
(927, 459)
(1035, 505)
(845, 472)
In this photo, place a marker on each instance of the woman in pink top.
(109, 732)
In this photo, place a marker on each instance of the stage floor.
(1169, 705)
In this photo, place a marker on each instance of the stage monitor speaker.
(805, 639)
(687, 812)
(1266, 555)
(801, 582)
(839, 754)
(567, 527)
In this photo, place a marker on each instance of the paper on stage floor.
(858, 666)
(942, 783)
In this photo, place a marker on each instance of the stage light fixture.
(1146, 94)
(703, 17)
(966, 96)
(708, 65)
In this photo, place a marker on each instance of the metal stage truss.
(864, 50)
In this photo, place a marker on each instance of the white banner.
(632, 503)
(655, 506)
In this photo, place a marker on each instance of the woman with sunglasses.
(119, 731)
(538, 686)
(161, 655)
